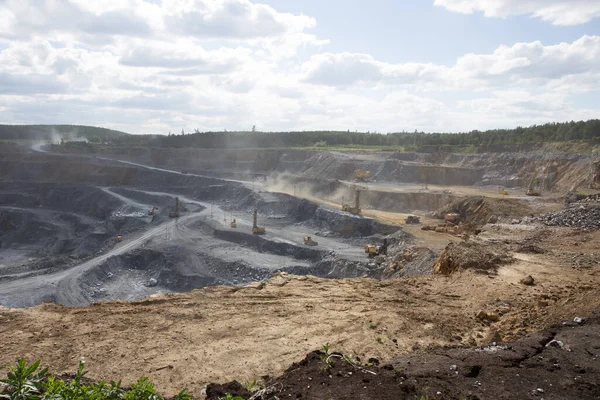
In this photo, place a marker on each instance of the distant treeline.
(588, 131)
(582, 131)
(57, 132)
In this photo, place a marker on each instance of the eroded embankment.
(555, 171)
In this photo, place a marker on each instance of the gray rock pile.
(578, 216)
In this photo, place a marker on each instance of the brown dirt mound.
(559, 363)
(470, 255)
(477, 210)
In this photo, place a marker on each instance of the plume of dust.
(72, 136)
(55, 138)
(290, 184)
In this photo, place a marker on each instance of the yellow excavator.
(118, 239)
(503, 192)
(257, 230)
(308, 240)
(361, 175)
(373, 250)
(356, 209)
(233, 223)
(531, 190)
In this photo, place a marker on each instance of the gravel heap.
(580, 216)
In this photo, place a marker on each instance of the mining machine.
(175, 214)
(257, 230)
(356, 209)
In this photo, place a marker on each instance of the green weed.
(228, 396)
(22, 382)
(252, 386)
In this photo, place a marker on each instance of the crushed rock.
(576, 215)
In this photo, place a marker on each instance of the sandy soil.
(219, 334)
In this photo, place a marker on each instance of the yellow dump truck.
(308, 240)
(373, 250)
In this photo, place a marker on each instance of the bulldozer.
(175, 214)
(361, 175)
(531, 190)
(412, 219)
(257, 230)
(356, 209)
(118, 239)
(503, 192)
(308, 240)
(233, 223)
(373, 250)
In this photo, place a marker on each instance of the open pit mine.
(433, 272)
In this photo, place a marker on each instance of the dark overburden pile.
(579, 216)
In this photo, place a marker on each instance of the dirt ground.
(224, 333)
(560, 363)
(221, 334)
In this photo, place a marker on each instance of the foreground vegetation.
(25, 382)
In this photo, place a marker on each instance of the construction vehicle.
(375, 250)
(503, 192)
(452, 218)
(175, 214)
(118, 239)
(233, 223)
(412, 219)
(151, 212)
(531, 190)
(361, 175)
(308, 240)
(356, 209)
(257, 230)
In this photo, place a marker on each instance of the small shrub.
(23, 383)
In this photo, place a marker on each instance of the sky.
(160, 66)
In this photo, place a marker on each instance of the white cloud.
(231, 64)
(521, 63)
(22, 19)
(558, 12)
(185, 57)
(239, 19)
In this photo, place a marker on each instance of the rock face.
(470, 255)
(596, 174)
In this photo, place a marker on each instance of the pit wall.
(405, 202)
(512, 169)
(338, 192)
(69, 170)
